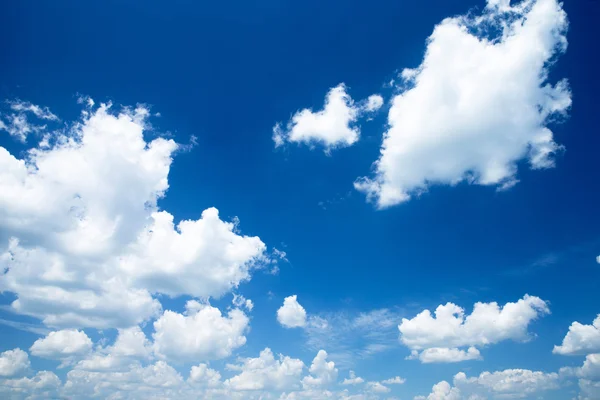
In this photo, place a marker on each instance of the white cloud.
(445, 355)
(291, 314)
(351, 336)
(240, 301)
(40, 112)
(202, 374)
(267, 373)
(353, 379)
(201, 334)
(43, 385)
(507, 384)
(18, 124)
(581, 339)
(589, 376)
(451, 329)
(442, 391)
(89, 244)
(322, 372)
(373, 103)
(477, 105)
(394, 381)
(158, 380)
(377, 387)
(598, 259)
(13, 362)
(333, 127)
(65, 345)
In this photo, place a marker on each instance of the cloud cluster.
(439, 337)
(477, 105)
(507, 384)
(85, 243)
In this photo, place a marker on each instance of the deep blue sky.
(226, 71)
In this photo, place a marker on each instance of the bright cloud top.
(476, 105)
(581, 339)
(334, 126)
(90, 245)
(291, 314)
(507, 384)
(438, 338)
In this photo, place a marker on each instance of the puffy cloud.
(65, 345)
(377, 387)
(240, 301)
(353, 379)
(581, 339)
(202, 374)
(334, 126)
(43, 385)
(598, 259)
(373, 103)
(450, 329)
(445, 355)
(13, 362)
(442, 391)
(267, 373)
(322, 372)
(291, 314)
(394, 381)
(89, 245)
(589, 376)
(516, 383)
(158, 380)
(201, 333)
(201, 258)
(510, 383)
(477, 105)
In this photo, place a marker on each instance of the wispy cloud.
(351, 336)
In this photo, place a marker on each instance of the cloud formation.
(477, 105)
(332, 127)
(438, 337)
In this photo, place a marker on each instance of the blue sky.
(374, 159)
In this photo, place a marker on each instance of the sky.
(299, 200)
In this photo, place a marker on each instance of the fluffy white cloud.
(589, 376)
(442, 391)
(510, 383)
(334, 126)
(353, 379)
(373, 103)
(377, 387)
(394, 381)
(477, 105)
(516, 383)
(240, 301)
(267, 373)
(13, 362)
(451, 329)
(65, 345)
(84, 243)
(201, 333)
(322, 372)
(445, 355)
(158, 380)
(44, 385)
(202, 374)
(291, 314)
(581, 339)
